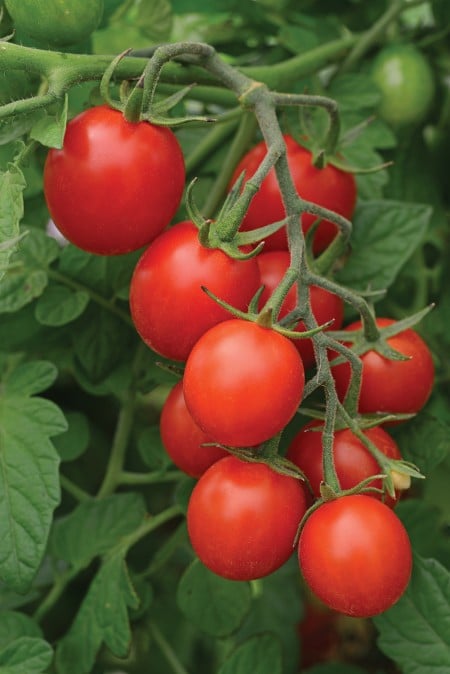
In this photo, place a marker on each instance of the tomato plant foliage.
(159, 407)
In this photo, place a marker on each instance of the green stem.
(119, 446)
(53, 595)
(167, 650)
(210, 142)
(148, 478)
(149, 525)
(74, 490)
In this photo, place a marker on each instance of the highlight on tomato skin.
(325, 306)
(329, 187)
(355, 555)
(183, 440)
(390, 386)
(243, 518)
(243, 383)
(352, 460)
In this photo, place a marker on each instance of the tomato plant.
(168, 305)
(253, 400)
(352, 460)
(56, 22)
(398, 386)
(406, 83)
(329, 187)
(355, 555)
(325, 305)
(250, 531)
(183, 440)
(114, 185)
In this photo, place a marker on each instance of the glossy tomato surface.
(328, 187)
(243, 383)
(114, 185)
(352, 460)
(396, 386)
(325, 305)
(168, 306)
(355, 555)
(183, 439)
(242, 518)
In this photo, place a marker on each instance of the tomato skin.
(242, 518)
(114, 185)
(406, 83)
(325, 305)
(391, 386)
(183, 439)
(168, 306)
(355, 555)
(243, 383)
(353, 461)
(328, 187)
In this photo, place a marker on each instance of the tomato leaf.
(152, 450)
(108, 521)
(74, 442)
(424, 524)
(385, 235)
(102, 618)
(29, 476)
(12, 185)
(260, 654)
(425, 441)
(155, 19)
(14, 625)
(415, 632)
(50, 130)
(59, 305)
(216, 605)
(26, 655)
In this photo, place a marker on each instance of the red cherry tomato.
(325, 305)
(355, 555)
(183, 439)
(352, 460)
(168, 306)
(328, 187)
(114, 185)
(243, 383)
(396, 386)
(243, 517)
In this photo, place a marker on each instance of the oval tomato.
(56, 22)
(328, 187)
(325, 305)
(243, 517)
(406, 83)
(183, 439)
(114, 185)
(391, 386)
(352, 460)
(243, 383)
(355, 555)
(168, 306)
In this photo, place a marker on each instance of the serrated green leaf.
(260, 654)
(94, 527)
(74, 442)
(385, 235)
(29, 480)
(424, 524)
(16, 126)
(102, 618)
(152, 450)
(26, 655)
(215, 605)
(14, 625)
(12, 185)
(59, 305)
(50, 130)
(27, 379)
(37, 250)
(415, 632)
(155, 19)
(425, 441)
(354, 92)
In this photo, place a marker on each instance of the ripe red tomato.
(328, 187)
(243, 517)
(325, 305)
(352, 460)
(168, 306)
(355, 555)
(243, 383)
(183, 439)
(114, 185)
(396, 386)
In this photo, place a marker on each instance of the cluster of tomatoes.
(114, 187)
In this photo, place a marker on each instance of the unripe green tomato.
(406, 84)
(56, 23)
